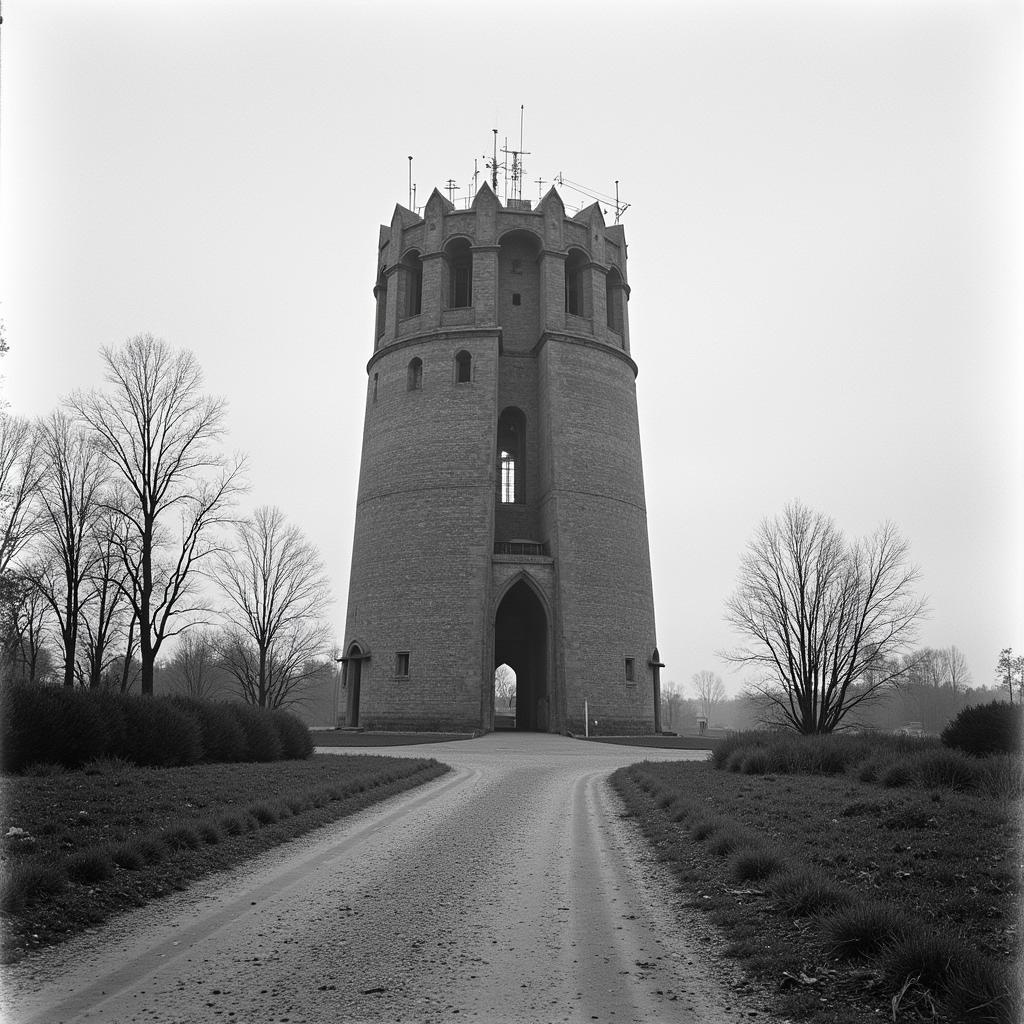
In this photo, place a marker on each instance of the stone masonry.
(501, 514)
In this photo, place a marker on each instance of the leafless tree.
(710, 691)
(1005, 670)
(28, 657)
(276, 593)
(21, 471)
(159, 433)
(69, 497)
(106, 613)
(671, 704)
(195, 660)
(819, 614)
(958, 675)
(504, 686)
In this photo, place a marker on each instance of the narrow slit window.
(630, 671)
(508, 478)
(416, 374)
(402, 663)
(463, 368)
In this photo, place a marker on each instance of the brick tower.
(501, 514)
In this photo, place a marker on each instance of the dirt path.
(508, 890)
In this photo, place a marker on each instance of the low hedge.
(47, 725)
(985, 729)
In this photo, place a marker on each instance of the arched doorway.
(353, 678)
(521, 641)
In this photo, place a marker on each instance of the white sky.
(825, 247)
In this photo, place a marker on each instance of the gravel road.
(508, 890)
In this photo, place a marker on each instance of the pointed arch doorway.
(521, 642)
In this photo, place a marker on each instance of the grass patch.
(841, 871)
(93, 843)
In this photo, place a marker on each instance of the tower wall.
(442, 552)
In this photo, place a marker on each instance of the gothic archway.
(521, 641)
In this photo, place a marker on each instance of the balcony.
(520, 548)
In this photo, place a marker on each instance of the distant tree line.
(120, 538)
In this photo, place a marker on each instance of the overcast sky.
(824, 237)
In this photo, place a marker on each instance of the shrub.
(151, 849)
(296, 742)
(128, 856)
(92, 865)
(108, 765)
(233, 824)
(806, 892)
(1001, 775)
(862, 929)
(897, 774)
(927, 956)
(946, 769)
(986, 729)
(728, 839)
(209, 832)
(181, 837)
(755, 762)
(221, 734)
(159, 734)
(262, 742)
(755, 865)
(265, 814)
(705, 827)
(22, 883)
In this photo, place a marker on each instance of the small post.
(586, 720)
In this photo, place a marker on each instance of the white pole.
(586, 720)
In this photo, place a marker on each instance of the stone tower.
(501, 514)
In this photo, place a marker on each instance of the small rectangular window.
(402, 664)
(516, 299)
(630, 671)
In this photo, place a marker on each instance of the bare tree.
(105, 610)
(1004, 670)
(69, 496)
(957, 673)
(819, 614)
(159, 433)
(671, 704)
(196, 660)
(277, 593)
(28, 657)
(710, 691)
(504, 686)
(21, 471)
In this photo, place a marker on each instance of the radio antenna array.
(618, 205)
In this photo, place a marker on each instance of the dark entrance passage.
(521, 641)
(353, 677)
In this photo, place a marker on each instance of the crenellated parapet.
(527, 271)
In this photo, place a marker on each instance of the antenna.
(410, 184)
(590, 193)
(452, 189)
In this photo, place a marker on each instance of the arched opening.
(521, 642)
(380, 293)
(504, 697)
(415, 374)
(353, 679)
(459, 267)
(614, 301)
(577, 298)
(511, 456)
(519, 290)
(411, 299)
(463, 368)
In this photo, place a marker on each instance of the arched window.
(575, 283)
(412, 283)
(380, 293)
(459, 258)
(463, 368)
(614, 300)
(415, 374)
(511, 452)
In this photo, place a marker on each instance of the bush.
(1001, 776)
(946, 769)
(262, 742)
(897, 774)
(862, 929)
(806, 892)
(756, 865)
(296, 742)
(22, 883)
(158, 734)
(221, 734)
(986, 729)
(92, 865)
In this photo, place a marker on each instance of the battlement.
(527, 271)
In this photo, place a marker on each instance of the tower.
(500, 513)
